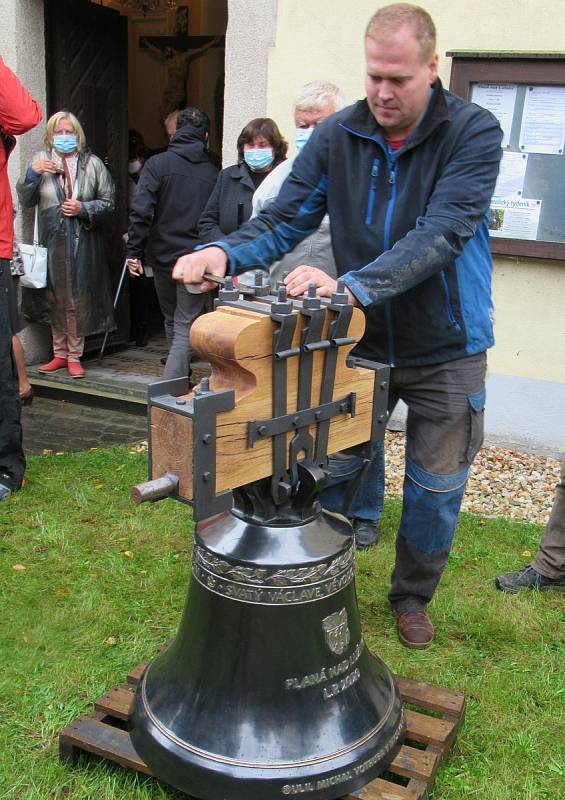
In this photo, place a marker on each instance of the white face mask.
(301, 137)
(258, 157)
(134, 166)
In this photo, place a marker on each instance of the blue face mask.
(65, 142)
(301, 137)
(258, 157)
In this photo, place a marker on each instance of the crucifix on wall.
(177, 53)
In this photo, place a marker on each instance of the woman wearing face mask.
(73, 191)
(260, 148)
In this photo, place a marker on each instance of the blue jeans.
(367, 499)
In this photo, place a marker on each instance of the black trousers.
(12, 459)
(180, 308)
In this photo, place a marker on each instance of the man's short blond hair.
(394, 16)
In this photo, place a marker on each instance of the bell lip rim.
(224, 760)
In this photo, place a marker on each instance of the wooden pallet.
(433, 717)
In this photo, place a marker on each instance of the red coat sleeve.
(18, 111)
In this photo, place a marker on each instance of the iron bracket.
(202, 409)
(263, 428)
(380, 395)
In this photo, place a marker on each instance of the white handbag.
(34, 257)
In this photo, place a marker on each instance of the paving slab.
(62, 426)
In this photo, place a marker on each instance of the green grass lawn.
(104, 584)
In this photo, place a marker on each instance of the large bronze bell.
(268, 689)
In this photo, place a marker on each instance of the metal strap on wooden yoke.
(310, 341)
(202, 409)
(281, 313)
(285, 478)
(339, 326)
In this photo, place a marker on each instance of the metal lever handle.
(165, 486)
(241, 288)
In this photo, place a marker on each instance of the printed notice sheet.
(511, 175)
(514, 218)
(500, 99)
(543, 120)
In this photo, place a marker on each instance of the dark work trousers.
(12, 459)
(179, 308)
(550, 558)
(444, 431)
(142, 304)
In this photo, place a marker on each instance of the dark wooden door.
(86, 54)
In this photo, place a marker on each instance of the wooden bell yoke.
(284, 393)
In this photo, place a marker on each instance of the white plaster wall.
(324, 39)
(22, 45)
(529, 319)
(249, 37)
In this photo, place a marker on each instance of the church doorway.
(175, 59)
(123, 65)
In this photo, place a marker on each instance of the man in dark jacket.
(172, 192)
(18, 114)
(407, 175)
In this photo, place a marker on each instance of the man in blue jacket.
(407, 176)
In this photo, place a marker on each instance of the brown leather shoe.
(415, 629)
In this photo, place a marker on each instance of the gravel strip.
(502, 483)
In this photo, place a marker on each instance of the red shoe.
(55, 364)
(75, 369)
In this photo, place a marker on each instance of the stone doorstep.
(118, 378)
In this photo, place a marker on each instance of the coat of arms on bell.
(336, 631)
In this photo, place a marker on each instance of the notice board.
(524, 92)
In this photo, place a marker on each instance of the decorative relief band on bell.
(273, 586)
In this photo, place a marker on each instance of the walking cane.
(116, 298)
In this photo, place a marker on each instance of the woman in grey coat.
(74, 191)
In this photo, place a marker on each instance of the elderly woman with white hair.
(73, 191)
(314, 102)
